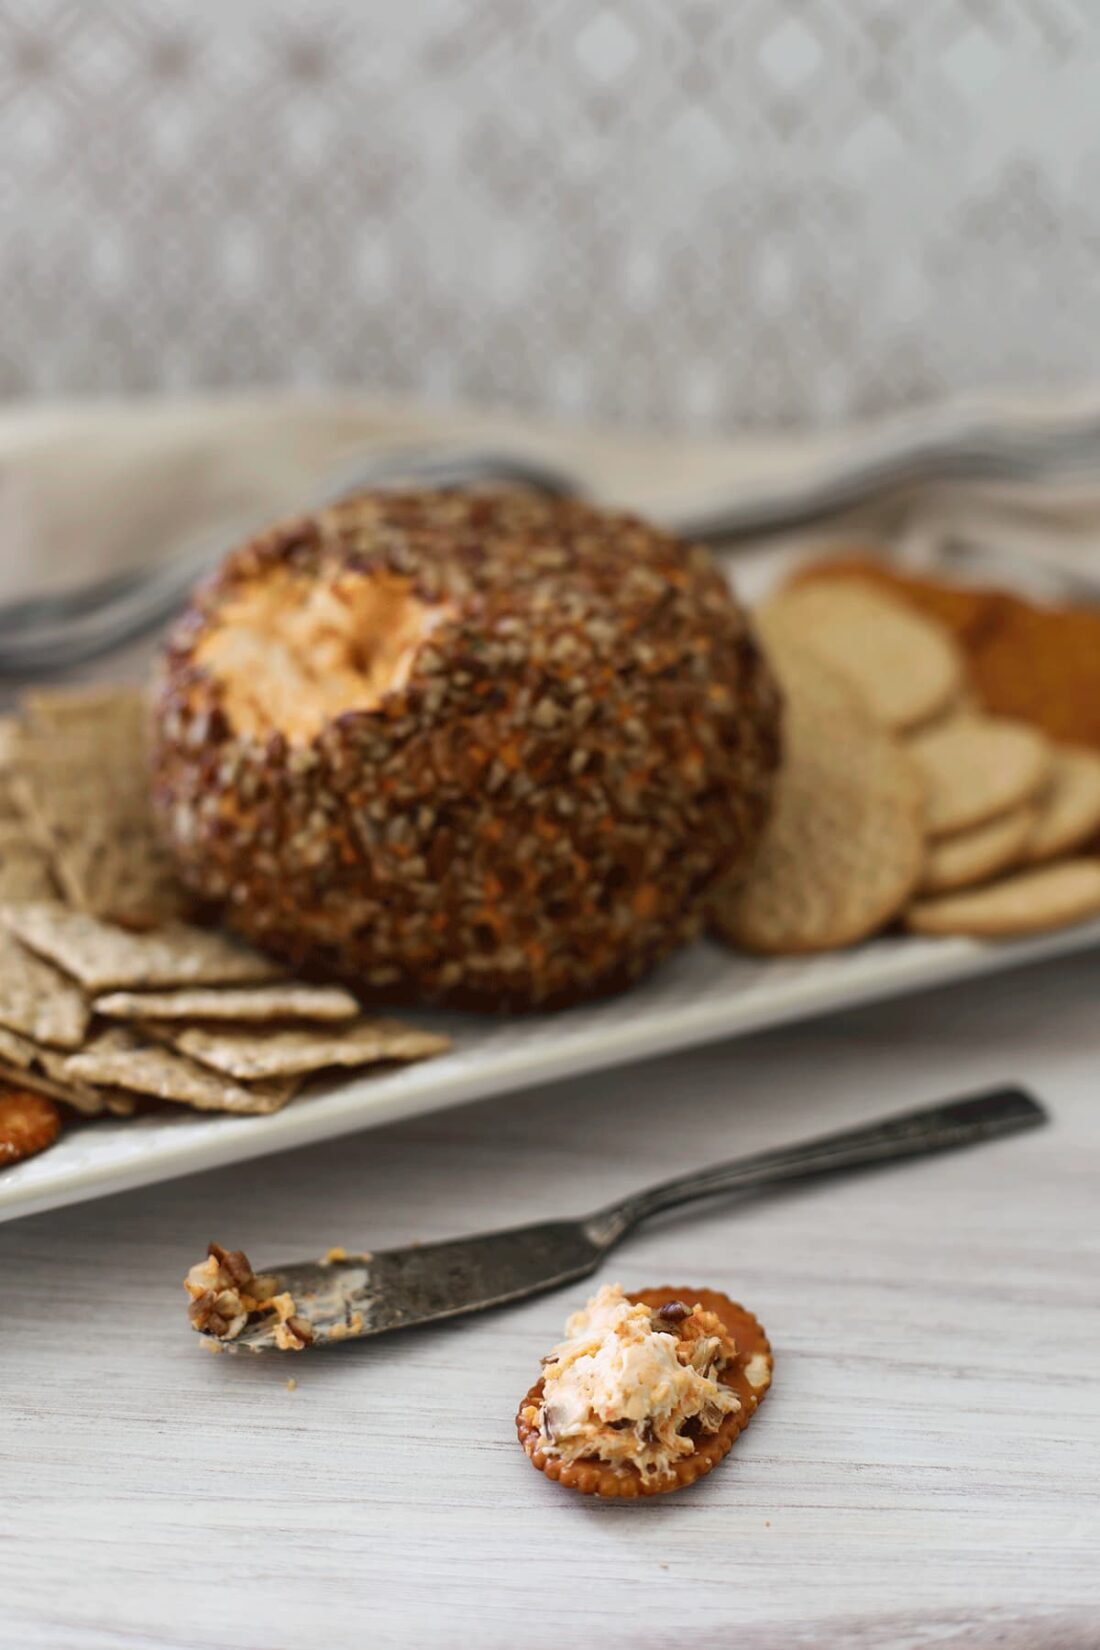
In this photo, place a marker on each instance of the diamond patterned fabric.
(703, 213)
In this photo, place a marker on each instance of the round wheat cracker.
(906, 668)
(29, 1122)
(624, 1481)
(976, 768)
(1030, 902)
(974, 856)
(1069, 809)
(844, 848)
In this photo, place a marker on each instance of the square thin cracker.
(106, 958)
(246, 1004)
(37, 1001)
(121, 1103)
(15, 1050)
(24, 865)
(39, 1068)
(80, 776)
(112, 865)
(9, 807)
(72, 1093)
(56, 710)
(122, 1060)
(249, 1054)
(9, 740)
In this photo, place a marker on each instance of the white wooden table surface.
(925, 1472)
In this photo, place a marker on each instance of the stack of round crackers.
(900, 799)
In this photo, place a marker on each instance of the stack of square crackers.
(900, 798)
(110, 1000)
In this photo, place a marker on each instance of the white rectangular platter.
(704, 995)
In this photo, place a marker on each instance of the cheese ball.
(485, 748)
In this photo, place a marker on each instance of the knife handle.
(938, 1128)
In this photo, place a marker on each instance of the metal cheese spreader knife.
(344, 1299)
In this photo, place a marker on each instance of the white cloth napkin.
(90, 488)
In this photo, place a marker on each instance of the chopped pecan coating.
(227, 1296)
(672, 1313)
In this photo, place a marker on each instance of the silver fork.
(372, 1294)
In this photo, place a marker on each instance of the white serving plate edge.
(704, 996)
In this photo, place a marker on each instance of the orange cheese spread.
(291, 651)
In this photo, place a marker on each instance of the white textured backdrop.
(717, 213)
